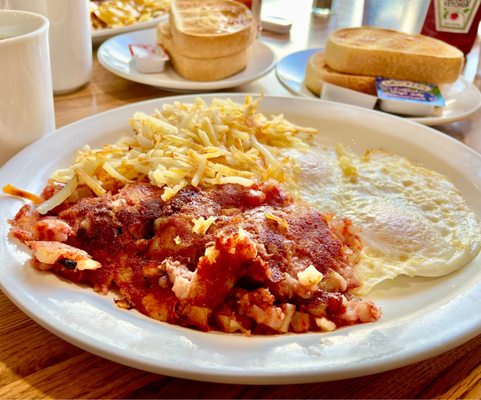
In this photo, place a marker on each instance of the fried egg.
(414, 221)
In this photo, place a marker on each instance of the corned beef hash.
(228, 257)
(196, 220)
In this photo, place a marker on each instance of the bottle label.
(455, 15)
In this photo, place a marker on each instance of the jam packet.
(408, 98)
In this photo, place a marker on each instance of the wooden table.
(36, 364)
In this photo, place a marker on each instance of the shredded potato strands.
(194, 144)
(13, 191)
(59, 197)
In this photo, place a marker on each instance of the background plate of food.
(462, 97)
(418, 220)
(109, 17)
(115, 56)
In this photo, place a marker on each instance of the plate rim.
(188, 85)
(100, 35)
(429, 120)
(111, 353)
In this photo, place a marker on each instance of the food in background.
(207, 40)
(355, 57)
(118, 13)
(387, 53)
(318, 72)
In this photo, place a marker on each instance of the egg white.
(414, 221)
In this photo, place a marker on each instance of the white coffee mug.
(70, 40)
(26, 98)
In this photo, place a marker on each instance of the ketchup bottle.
(255, 7)
(248, 3)
(453, 21)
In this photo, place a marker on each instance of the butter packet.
(408, 98)
(148, 59)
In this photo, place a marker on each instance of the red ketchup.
(453, 21)
(255, 7)
(248, 3)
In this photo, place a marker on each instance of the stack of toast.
(207, 40)
(353, 57)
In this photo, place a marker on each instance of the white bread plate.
(462, 97)
(114, 55)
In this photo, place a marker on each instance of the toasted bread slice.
(392, 54)
(196, 69)
(318, 72)
(210, 28)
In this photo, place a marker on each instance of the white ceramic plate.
(114, 55)
(99, 35)
(422, 317)
(462, 98)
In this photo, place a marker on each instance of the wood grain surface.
(35, 364)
